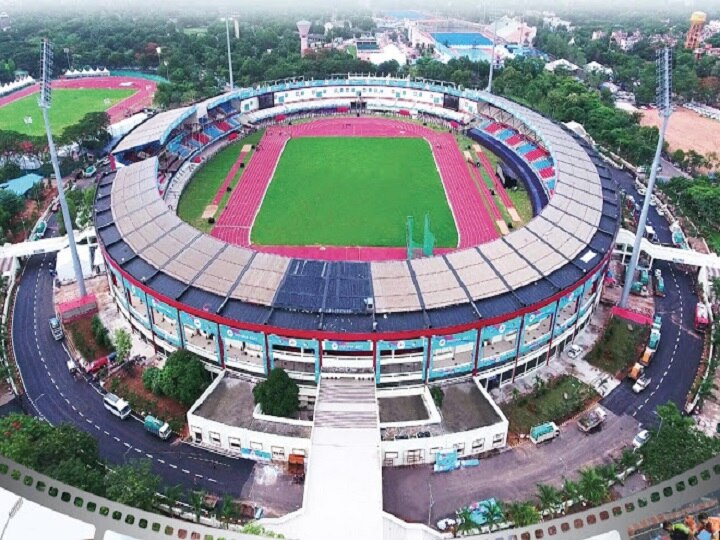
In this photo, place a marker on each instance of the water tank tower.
(304, 29)
(697, 21)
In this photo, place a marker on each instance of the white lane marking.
(198, 475)
(128, 445)
(73, 407)
(185, 471)
(212, 480)
(67, 401)
(161, 461)
(173, 466)
(106, 433)
(117, 439)
(81, 414)
(138, 451)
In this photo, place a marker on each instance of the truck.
(544, 432)
(660, 287)
(637, 371)
(592, 420)
(644, 276)
(702, 321)
(157, 427)
(654, 340)
(55, 329)
(647, 356)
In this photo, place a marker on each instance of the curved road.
(673, 367)
(59, 397)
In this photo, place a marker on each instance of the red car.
(97, 365)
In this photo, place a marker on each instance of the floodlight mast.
(227, 35)
(492, 58)
(664, 91)
(44, 102)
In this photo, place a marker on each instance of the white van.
(118, 406)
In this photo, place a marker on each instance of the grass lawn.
(521, 201)
(353, 191)
(204, 185)
(68, 107)
(548, 404)
(620, 346)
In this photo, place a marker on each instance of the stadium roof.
(155, 129)
(555, 250)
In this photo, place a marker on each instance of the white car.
(574, 351)
(642, 191)
(641, 384)
(660, 211)
(641, 438)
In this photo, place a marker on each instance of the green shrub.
(438, 395)
(151, 379)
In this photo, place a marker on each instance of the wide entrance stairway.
(343, 489)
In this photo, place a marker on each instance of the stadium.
(464, 294)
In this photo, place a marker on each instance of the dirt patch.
(127, 383)
(619, 347)
(83, 339)
(402, 409)
(687, 130)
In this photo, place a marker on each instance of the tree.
(494, 513)
(133, 484)
(227, 511)
(196, 499)
(522, 514)
(151, 380)
(676, 447)
(549, 499)
(570, 492)
(593, 487)
(465, 524)
(123, 343)
(278, 394)
(183, 378)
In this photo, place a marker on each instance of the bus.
(701, 317)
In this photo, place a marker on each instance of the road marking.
(666, 372)
(646, 400)
(198, 475)
(73, 407)
(53, 381)
(81, 414)
(185, 471)
(212, 480)
(106, 433)
(117, 439)
(126, 444)
(161, 461)
(173, 466)
(88, 421)
(67, 401)
(138, 451)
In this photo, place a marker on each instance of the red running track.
(475, 225)
(143, 96)
(229, 178)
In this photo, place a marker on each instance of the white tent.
(64, 265)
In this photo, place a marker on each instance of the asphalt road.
(673, 367)
(59, 397)
(419, 495)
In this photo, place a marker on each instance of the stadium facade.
(497, 311)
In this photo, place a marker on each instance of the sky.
(520, 5)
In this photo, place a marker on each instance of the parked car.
(641, 384)
(55, 207)
(641, 438)
(97, 365)
(574, 351)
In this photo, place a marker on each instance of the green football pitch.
(353, 191)
(68, 107)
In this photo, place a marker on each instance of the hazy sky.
(141, 6)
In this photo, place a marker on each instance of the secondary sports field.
(353, 191)
(68, 107)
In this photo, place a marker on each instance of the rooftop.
(232, 403)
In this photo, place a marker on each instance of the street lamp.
(11, 514)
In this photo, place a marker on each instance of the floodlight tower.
(44, 101)
(227, 36)
(492, 58)
(304, 30)
(663, 93)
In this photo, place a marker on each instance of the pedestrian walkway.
(343, 491)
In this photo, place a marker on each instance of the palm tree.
(196, 499)
(522, 514)
(628, 459)
(593, 487)
(549, 499)
(227, 511)
(608, 472)
(172, 495)
(465, 524)
(494, 513)
(570, 492)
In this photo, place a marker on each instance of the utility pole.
(663, 94)
(44, 102)
(227, 35)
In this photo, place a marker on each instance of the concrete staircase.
(346, 404)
